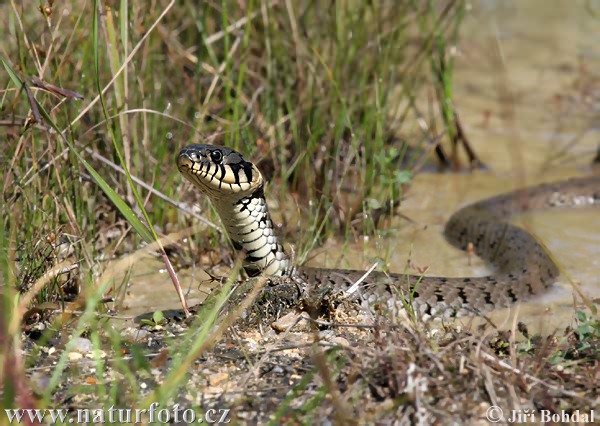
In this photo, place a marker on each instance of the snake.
(522, 266)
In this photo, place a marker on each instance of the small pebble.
(82, 345)
(287, 321)
(75, 356)
(100, 354)
(216, 378)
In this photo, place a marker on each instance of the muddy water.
(530, 105)
(151, 289)
(549, 63)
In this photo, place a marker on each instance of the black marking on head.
(248, 170)
(488, 297)
(223, 172)
(205, 170)
(467, 280)
(512, 295)
(439, 297)
(235, 168)
(215, 173)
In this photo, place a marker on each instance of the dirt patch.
(339, 368)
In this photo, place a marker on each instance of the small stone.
(135, 333)
(75, 356)
(326, 334)
(82, 345)
(338, 340)
(289, 320)
(216, 378)
(100, 354)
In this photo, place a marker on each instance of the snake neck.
(250, 228)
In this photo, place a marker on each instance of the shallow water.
(543, 59)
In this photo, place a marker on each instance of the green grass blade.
(13, 76)
(125, 210)
(150, 228)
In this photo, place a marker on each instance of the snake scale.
(522, 267)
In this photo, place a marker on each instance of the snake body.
(522, 266)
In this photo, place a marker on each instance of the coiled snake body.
(522, 267)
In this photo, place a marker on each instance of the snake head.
(219, 172)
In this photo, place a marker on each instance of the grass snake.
(522, 267)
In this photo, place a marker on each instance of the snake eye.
(216, 156)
